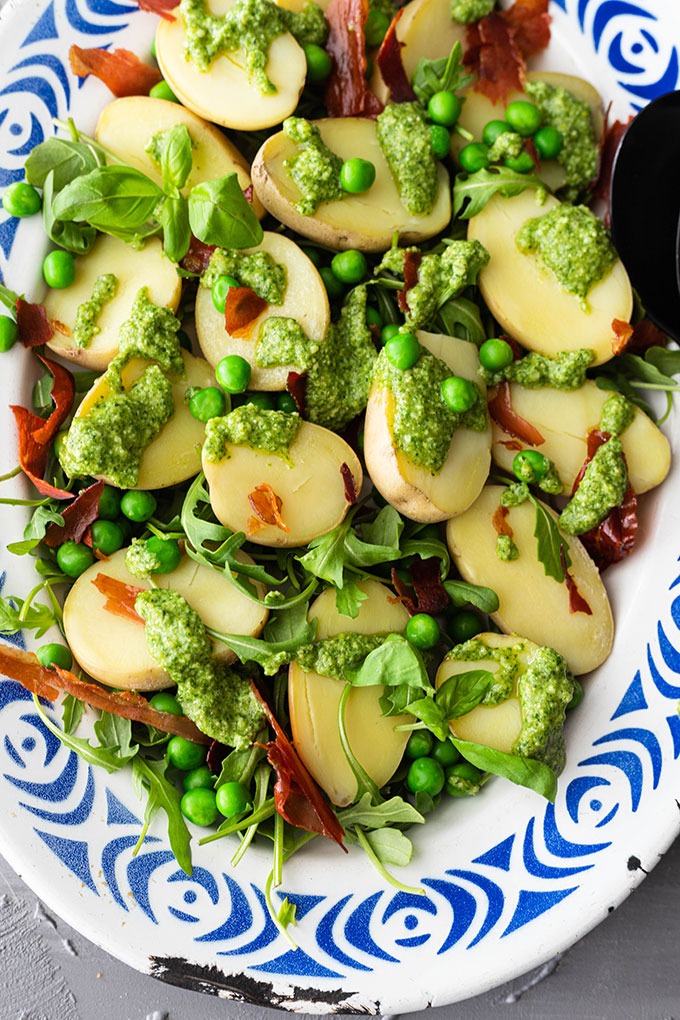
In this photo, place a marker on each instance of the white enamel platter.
(509, 880)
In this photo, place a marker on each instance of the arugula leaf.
(551, 547)
(325, 558)
(348, 599)
(239, 766)
(270, 655)
(9, 299)
(219, 213)
(471, 192)
(462, 594)
(72, 710)
(164, 795)
(394, 811)
(664, 359)
(462, 692)
(175, 157)
(535, 775)
(444, 74)
(114, 732)
(289, 625)
(108, 758)
(393, 663)
(34, 532)
(462, 318)
(173, 216)
(14, 618)
(385, 531)
(390, 846)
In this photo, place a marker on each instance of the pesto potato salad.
(339, 377)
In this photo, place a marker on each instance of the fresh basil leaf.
(393, 663)
(219, 213)
(75, 237)
(175, 157)
(463, 594)
(445, 74)
(397, 700)
(535, 775)
(115, 199)
(108, 758)
(551, 547)
(289, 625)
(173, 216)
(471, 192)
(394, 811)
(163, 794)
(63, 158)
(429, 712)
(462, 692)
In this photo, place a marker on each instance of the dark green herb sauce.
(602, 487)
(566, 371)
(256, 270)
(283, 341)
(467, 11)
(249, 425)
(617, 414)
(572, 118)
(85, 327)
(332, 656)
(406, 143)
(315, 169)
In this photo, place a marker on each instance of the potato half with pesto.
(113, 649)
(368, 221)
(524, 706)
(573, 616)
(289, 323)
(87, 316)
(252, 80)
(427, 461)
(553, 280)
(281, 480)
(314, 698)
(128, 128)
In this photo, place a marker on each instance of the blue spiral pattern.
(525, 872)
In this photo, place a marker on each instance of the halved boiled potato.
(113, 649)
(411, 489)
(564, 420)
(313, 702)
(308, 481)
(127, 125)
(526, 297)
(425, 29)
(223, 94)
(133, 268)
(368, 221)
(531, 602)
(175, 454)
(305, 300)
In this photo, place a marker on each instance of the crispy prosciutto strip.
(349, 484)
(500, 521)
(243, 306)
(429, 594)
(636, 339)
(267, 505)
(577, 603)
(32, 323)
(296, 384)
(197, 258)
(412, 260)
(608, 147)
(530, 23)
(296, 796)
(391, 65)
(499, 44)
(623, 334)
(347, 92)
(48, 683)
(162, 7)
(120, 597)
(120, 70)
(501, 410)
(36, 433)
(78, 516)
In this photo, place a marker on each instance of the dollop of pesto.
(566, 371)
(250, 26)
(506, 549)
(219, 701)
(572, 118)
(150, 332)
(602, 487)
(339, 378)
(315, 169)
(249, 425)
(406, 142)
(514, 494)
(256, 270)
(467, 11)
(508, 145)
(85, 327)
(573, 243)
(332, 656)
(617, 414)
(283, 341)
(441, 276)
(545, 689)
(423, 424)
(141, 561)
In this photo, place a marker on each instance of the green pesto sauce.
(141, 561)
(249, 425)
(572, 118)
(573, 243)
(602, 487)
(315, 169)
(334, 655)
(219, 701)
(423, 424)
(550, 482)
(250, 26)
(256, 270)
(508, 145)
(467, 11)
(566, 371)
(440, 277)
(150, 332)
(339, 378)
(506, 549)
(406, 142)
(283, 341)
(514, 494)
(85, 327)
(544, 689)
(617, 414)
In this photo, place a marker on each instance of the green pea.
(167, 551)
(138, 505)
(376, 27)
(522, 164)
(266, 401)
(166, 702)
(373, 317)
(8, 333)
(21, 199)
(465, 770)
(107, 537)
(334, 287)
(426, 775)
(207, 403)
(59, 269)
(163, 91)
(55, 654)
(199, 806)
(444, 108)
(220, 289)
(233, 799)
(389, 330)
(319, 62)
(422, 630)
(464, 625)
(548, 141)
(459, 394)
(233, 373)
(284, 402)
(445, 753)
(419, 744)
(577, 696)
(199, 779)
(185, 754)
(441, 141)
(349, 266)
(74, 558)
(403, 350)
(473, 157)
(530, 466)
(108, 507)
(493, 129)
(495, 355)
(357, 175)
(523, 117)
